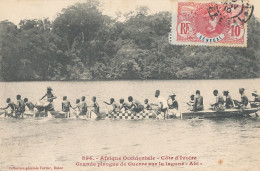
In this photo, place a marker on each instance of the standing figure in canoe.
(135, 105)
(12, 107)
(66, 106)
(219, 103)
(162, 106)
(242, 104)
(198, 103)
(116, 106)
(48, 106)
(228, 102)
(20, 107)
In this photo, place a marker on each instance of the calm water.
(60, 142)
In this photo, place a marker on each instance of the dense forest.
(84, 44)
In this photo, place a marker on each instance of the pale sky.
(15, 10)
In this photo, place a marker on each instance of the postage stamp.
(211, 24)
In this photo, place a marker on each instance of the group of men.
(221, 104)
(162, 106)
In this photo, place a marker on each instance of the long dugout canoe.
(228, 113)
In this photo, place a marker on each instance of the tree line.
(84, 44)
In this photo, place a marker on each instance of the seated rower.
(66, 106)
(219, 104)
(20, 107)
(95, 106)
(84, 107)
(191, 102)
(198, 102)
(256, 102)
(135, 105)
(229, 102)
(257, 96)
(147, 106)
(123, 106)
(172, 102)
(162, 106)
(77, 108)
(115, 105)
(242, 104)
(11, 105)
(30, 105)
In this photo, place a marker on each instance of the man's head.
(18, 97)
(241, 90)
(192, 97)
(121, 101)
(225, 93)
(77, 101)
(25, 100)
(145, 101)
(8, 100)
(197, 92)
(49, 89)
(64, 97)
(112, 100)
(130, 98)
(94, 98)
(215, 92)
(157, 93)
(83, 98)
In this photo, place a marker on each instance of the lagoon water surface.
(223, 144)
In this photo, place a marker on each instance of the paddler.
(20, 106)
(50, 96)
(219, 104)
(95, 106)
(84, 107)
(116, 106)
(123, 106)
(191, 102)
(66, 106)
(256, 95)
(198, 104)
(242, 104)
(135, 105)
(147, 106)
(172, 102)
(255, 103)
(30, 105)
(162, 105)
(11, 105)
(78, 107)
(228, 102)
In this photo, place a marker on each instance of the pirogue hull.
(150, 114)
(228, 113)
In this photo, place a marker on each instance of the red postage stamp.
(211, 24)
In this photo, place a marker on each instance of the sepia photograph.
(129, 85)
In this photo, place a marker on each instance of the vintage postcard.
(89, 85)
